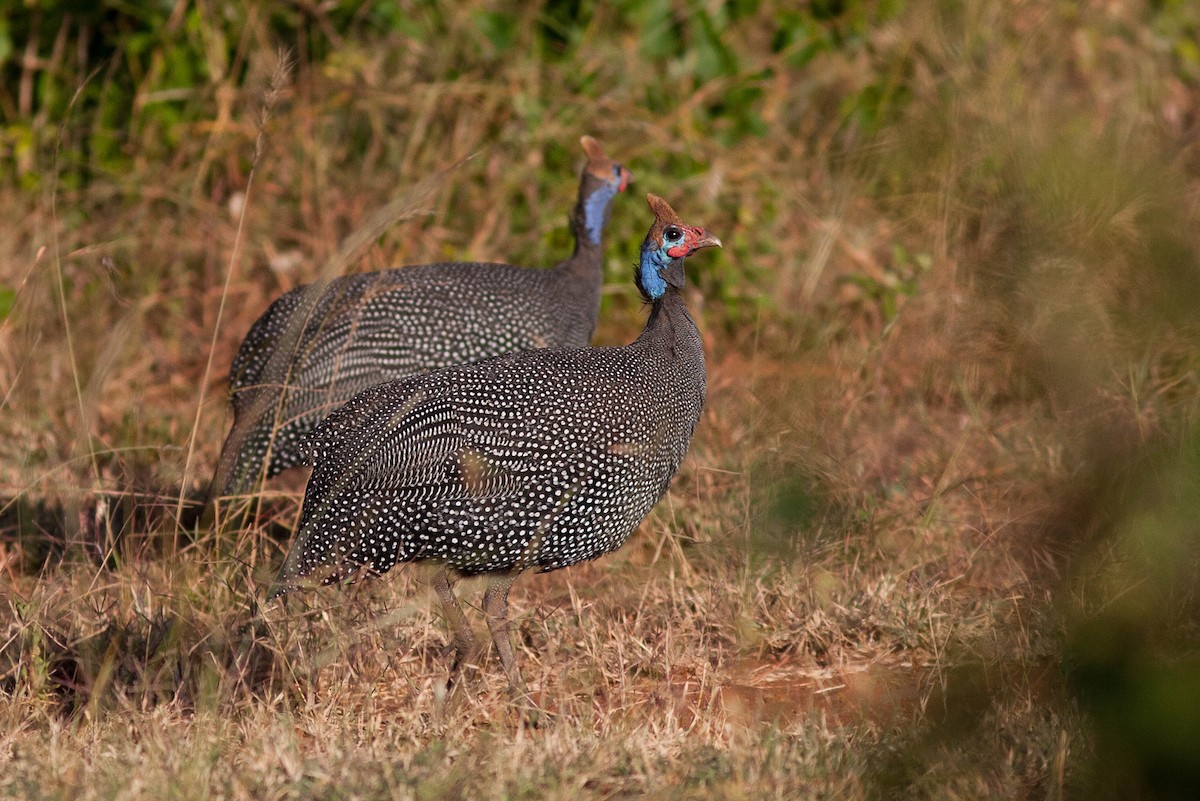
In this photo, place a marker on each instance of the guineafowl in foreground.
(318, 345)
(539, 459)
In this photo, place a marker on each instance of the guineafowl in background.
(540, 459)
(316, 346)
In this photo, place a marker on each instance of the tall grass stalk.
(279, 78)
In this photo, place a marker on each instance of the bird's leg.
(495, 606)
(462, 639)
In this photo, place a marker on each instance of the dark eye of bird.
(672, 234)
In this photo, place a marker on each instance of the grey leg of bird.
(462, 639)
(495, 606)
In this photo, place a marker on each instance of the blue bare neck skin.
(650, 278)
(595, 212)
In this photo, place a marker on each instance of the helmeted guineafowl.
(538, 459)
(325, 343)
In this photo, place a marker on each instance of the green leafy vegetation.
(937, 535)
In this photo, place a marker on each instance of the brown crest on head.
(693, 238)
(599, 164)
(664, 215)
(593, 149)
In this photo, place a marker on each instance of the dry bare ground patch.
(936, 536)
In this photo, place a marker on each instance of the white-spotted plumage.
(536, 460)
(540, 459)
(316, 346)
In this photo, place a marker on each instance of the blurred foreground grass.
(938, 534)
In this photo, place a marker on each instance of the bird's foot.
(464, 665)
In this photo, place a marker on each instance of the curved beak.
(626, 178)
(704, 240)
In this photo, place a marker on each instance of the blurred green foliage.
(1131, 645)
(999, 175)
(7, 298)
(103, 83)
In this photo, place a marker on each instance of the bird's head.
(602, 179)
(668, 243)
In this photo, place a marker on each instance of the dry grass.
(951, 420)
